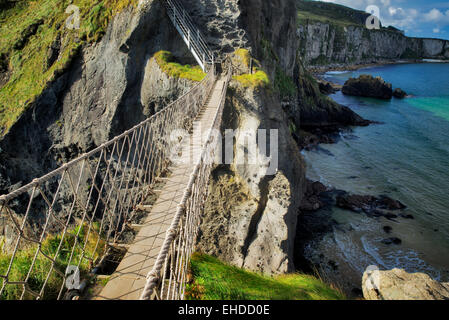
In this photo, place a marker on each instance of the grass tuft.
(284, 84)
(255, 80)
(165, 60)
(215, 280)
(244, 55)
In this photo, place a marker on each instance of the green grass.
(23, 260)
(215, 280)
(25, 53)
(329, 13)
(334, 14)
(258, 78)
(255, 80)
(244, 56)
(166, 62)
(284, 84)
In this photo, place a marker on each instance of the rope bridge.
(61, 230)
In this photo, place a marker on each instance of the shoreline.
(319, 71)
(320, 223)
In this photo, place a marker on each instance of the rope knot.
(172, 232)
(153, 276)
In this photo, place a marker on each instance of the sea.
(404, 156)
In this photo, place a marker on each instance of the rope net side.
(167, 279)
(75, 215)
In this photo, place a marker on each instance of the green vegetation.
(257, 78)
(24, 258)
(329, 13)
(334, 14)
(28, 29)
(244, 56)
(284, 84)
(165, 60)
(215, 280)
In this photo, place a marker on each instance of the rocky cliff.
(325, 40)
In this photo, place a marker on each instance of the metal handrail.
(190, 34)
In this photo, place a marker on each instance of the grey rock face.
(158, 89)
(219, 21)
(324, 43)
(397, 284)
(250, 217)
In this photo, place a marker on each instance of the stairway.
(190, 34)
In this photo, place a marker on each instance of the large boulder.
(397, 284)
(368, 86)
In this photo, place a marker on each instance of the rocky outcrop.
(311, 200)
(327, 87)
(359, 203)
(251, 214)
(334, 44)
(368, 86)
(397, 284)
(159, 89)
(399, 93)
(318, 110)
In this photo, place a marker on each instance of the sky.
(418, 18)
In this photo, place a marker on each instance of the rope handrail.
(76, 214)
(72, 215)
(21, 190)
(186, 218)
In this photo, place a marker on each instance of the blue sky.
(418, 18)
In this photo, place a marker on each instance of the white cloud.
(436, 16)
(396, 13)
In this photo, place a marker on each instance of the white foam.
(435, 61)
(337, 72)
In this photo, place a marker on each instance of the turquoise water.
(405, 157)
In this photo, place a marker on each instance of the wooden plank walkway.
(129, 279)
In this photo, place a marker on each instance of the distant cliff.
(326, 39)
